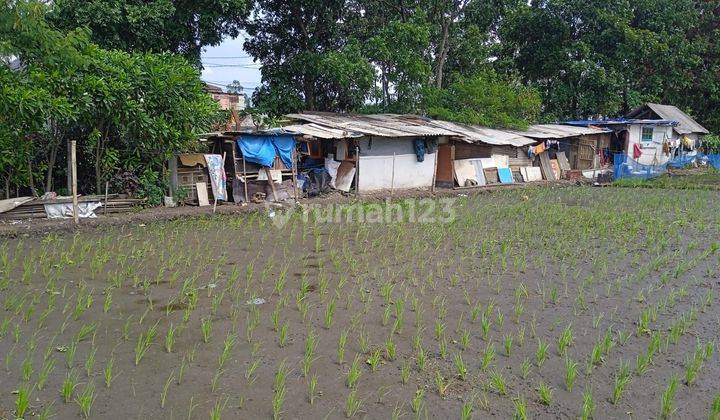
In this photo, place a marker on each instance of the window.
(646, 136)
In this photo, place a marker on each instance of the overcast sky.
(227, 62)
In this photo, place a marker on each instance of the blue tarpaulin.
(263, 149)
(626, 167)
(285, 146)
(714, 160)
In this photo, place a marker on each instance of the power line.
(228, 57)
(245, 66)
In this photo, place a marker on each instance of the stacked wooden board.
(36, 208)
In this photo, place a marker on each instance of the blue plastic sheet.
(284, 146)
(263, 149)
(626, 167)
(714, 160)
(505, 175)
(257, 149)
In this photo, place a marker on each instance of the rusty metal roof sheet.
(474, 133)
(558, 131)
(334, 126)
(686, 124)
(321, 132)
(381, 125)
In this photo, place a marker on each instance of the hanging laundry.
(666, 148)
(540, 148)
(216, 169)
(419, 145)
(637, 151)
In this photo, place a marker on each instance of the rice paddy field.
(571, 302)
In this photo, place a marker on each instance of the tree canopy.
(127, 111)
(585, 58)
(183, 27)
(122, 76)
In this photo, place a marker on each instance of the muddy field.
(563, 303)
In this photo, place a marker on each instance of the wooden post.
(294, 173)
(435, 165)
(245, 179)
(452, 166)
(73, 163)
(392, 178)
(107, 185)
(68, 170)
(357, 169)
(272, 183)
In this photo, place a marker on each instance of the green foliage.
(484, 99)
(711, 143)
(128, 111)
(597, 58)
(156, 26)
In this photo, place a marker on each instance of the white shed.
(388, 157)
(687, 128)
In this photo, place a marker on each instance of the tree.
(484, 99)
(36, 97)
(600, 58)
(128, 111)
(308, 60)
(183, 27)
(235, 87)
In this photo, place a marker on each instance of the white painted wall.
(651, 154)
(376, 165)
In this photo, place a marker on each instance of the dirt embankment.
(25, 227)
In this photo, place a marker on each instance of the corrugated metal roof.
(381, 125)
(321, 132)
(686, 124)
(474, 133)
(558, 131)
(334, 126)
(619, 121)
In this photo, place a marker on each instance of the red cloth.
(637, 151)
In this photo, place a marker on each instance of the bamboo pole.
(107, 185)
(73, 163)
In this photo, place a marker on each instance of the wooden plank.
(563, 161)
(202, 194)
(546, 168)
(272, 183)
(555, 168)
(464, 171)
(444, 172)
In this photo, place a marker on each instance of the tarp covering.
(86, 210)
(626, 167)
(714, 160)
(285, 146)
(263, 149)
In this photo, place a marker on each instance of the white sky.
(229, 61)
